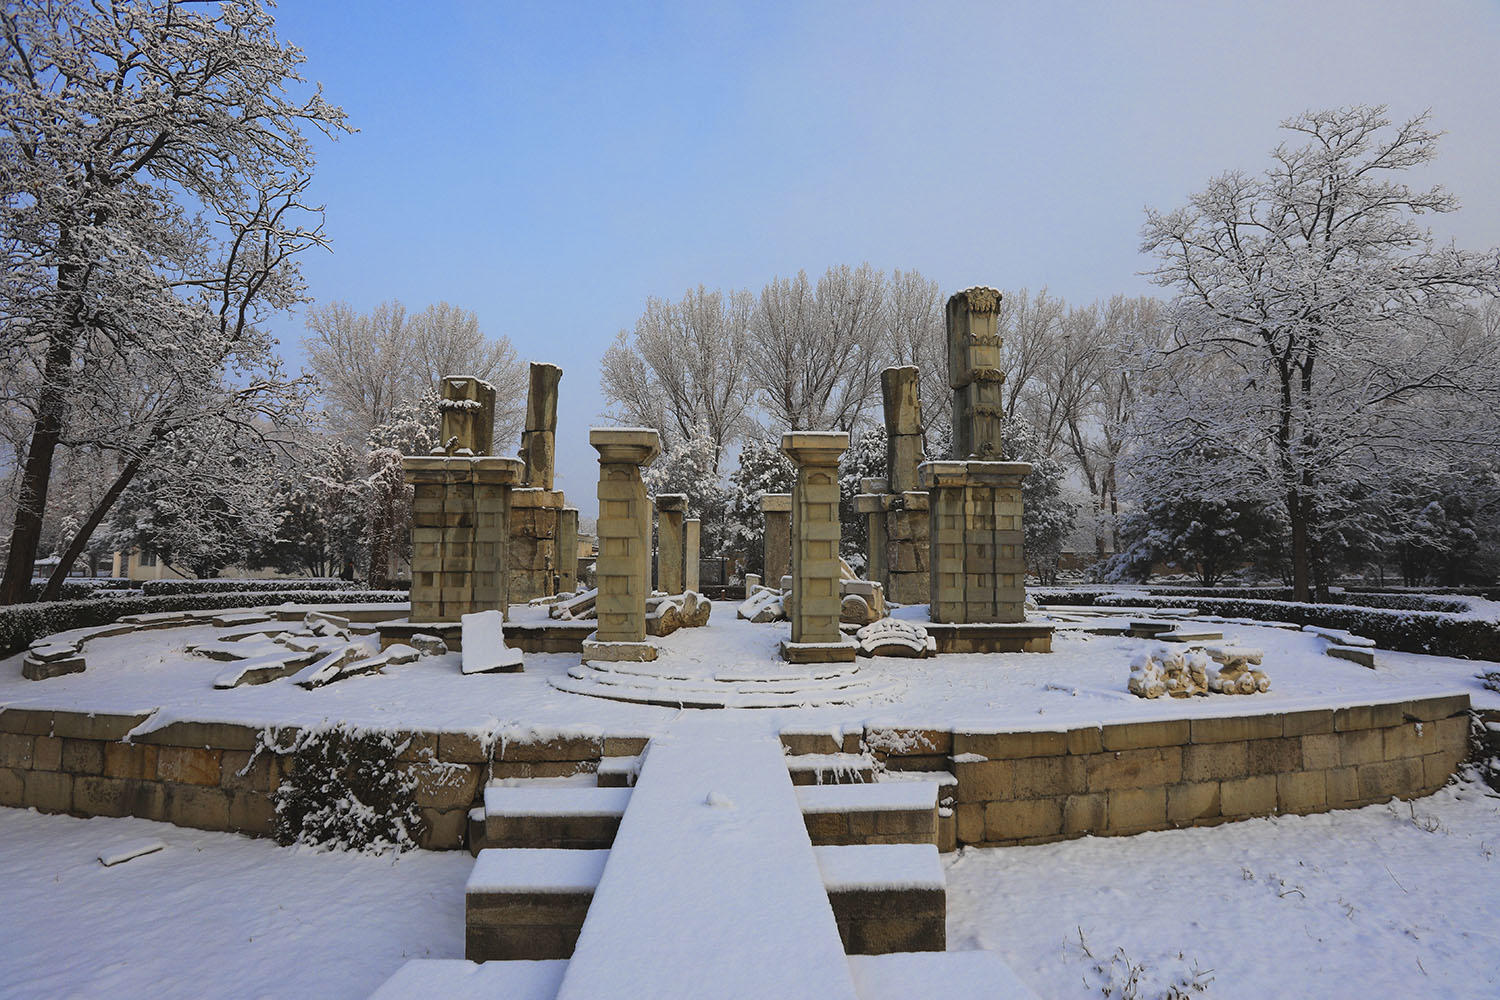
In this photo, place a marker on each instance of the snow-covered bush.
(160, 588)
(346, 792)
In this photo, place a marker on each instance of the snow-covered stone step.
(522, 903)
(711, 889)
(896, 812)
(457, 979)
(936, 975)
(1363, 655)
(714, 683)
(615, 686)
(618, 772)
(831, 768)
(886, 897)
(583, 817)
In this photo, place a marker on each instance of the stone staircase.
(685, 872)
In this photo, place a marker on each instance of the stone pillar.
(974, 373)
(777, 508)
(815, 547)
(670, 510)
(623, 570)
(460, 534)
(538, 440)
(978, 568)
(692, 534)
(908, 550)
(567, 550)
(467, 415)
(871, 502)
(901, 395)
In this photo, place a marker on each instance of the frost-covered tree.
(1211, 537)
(817, 352)
(150, 201)
(863, 459)
(1049, 514)
(684, 366)
(369, 365)
(690, 468)
(762, 469)
(917, 335)
(1327, 310)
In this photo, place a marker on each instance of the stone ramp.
(680, 686)
(711, 888)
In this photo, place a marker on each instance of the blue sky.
(551, 165)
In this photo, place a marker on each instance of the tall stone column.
(538, 440)
(624, 565)
(692, 537)
(871, 502)
(777, 508)
(670, 511)
(567, 550)
(815, 548)
(901, 396)
(978, 567)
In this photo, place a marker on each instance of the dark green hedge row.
(74, 590)
(1396, 601)
(1409, 631)
(23, 624)
(164, 588)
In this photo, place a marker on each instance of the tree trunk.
(86, 531)
(36, 477)
(1300, 584)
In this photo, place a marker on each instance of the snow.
(524, 869)
(743, 913)
(876, 797)
(214, 914)
(458, 979)
(122, 853)
(936, 975)
(880, 866)
(1389, 900)
(1081, 683)
(484, 646)
(570, 800)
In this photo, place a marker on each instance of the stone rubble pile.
(1184, 672)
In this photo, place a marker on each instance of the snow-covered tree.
(689, 468)
(150, 203)
(863, 459)
(762, 469)
(1326, 310)
(683, 367)
(1049, 513)
(369, 365)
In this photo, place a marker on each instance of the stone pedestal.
(671, 509)
(623, 569)
(978, 566)
(815, 548)
(908, 547)
(567, 550)
(460, 534)
(692, 537)
(777, 508)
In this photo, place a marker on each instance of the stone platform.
(694, 685)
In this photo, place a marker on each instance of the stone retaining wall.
(1013, 787)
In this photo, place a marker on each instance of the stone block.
(97, 796)
(1132, 810)
(1342, 785)
(130, 760)
(1192, 802)
(462, 748)
(1046, 777)
(1019, 819)
(1390, 778)
(1437, 768)
(1361, 746)
(1301, 792)
(562, 748)
(46, 753)
(969, 819)
(1085, 814)
(1451, 734)
(443, 829)
(214, 735)
(26, 721)
(1006, 746)
(48, 791)
(83, 757)
(197, 806)
(1352, 718)
(1134, 735)
(1320, 751)
(1141, 768)
(1253, 796)
(442, 785)
(1410, 739)
(252, 812)
(90, 726)
(1214, 762)
(12, 787)
(1086, 741)
(1237, 728)
(1432, 709)
(15, 750)
(1276, 756)
(189, 766)
(984, 780)
(1314, 721)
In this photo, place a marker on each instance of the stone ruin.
(1183, 672)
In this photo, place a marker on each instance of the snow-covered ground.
(1392, 900)
(1080, 683)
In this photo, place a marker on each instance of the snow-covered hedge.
(163, 588)
(74, 590)
(1395, 601)
(346, 792)
(1440, 633)
(23, 624)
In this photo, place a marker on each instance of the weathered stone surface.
(1019, 819)
(1132, 810)
(624, 528)
(777, 509)
(189, 766)
(815, 563)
